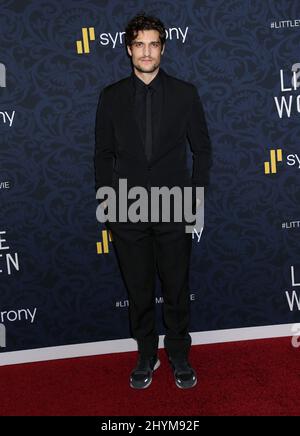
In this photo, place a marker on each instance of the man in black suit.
(142, 123)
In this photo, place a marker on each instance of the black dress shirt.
(140, 98)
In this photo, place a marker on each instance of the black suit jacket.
(119, 147)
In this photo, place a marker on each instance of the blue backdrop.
(56, 286)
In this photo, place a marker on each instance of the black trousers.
(142, 250)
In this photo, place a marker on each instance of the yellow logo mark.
(87, 33)
(275, 156)
(102, 247)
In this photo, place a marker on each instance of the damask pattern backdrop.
(56, 288)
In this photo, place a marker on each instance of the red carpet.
(241, 378)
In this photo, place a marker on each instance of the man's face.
(146, 51)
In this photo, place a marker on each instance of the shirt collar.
(140, 85)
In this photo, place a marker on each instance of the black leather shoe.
(141, 376)
(185, 376)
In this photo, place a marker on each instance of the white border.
(125, 345)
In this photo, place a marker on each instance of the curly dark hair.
(141, 21)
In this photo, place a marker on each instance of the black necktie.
(148, 141)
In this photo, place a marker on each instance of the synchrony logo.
(275, 156)
(6, 117)
(271, 166)
(18, 315)
(88, 35)
(103, 246)
(9, 316)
